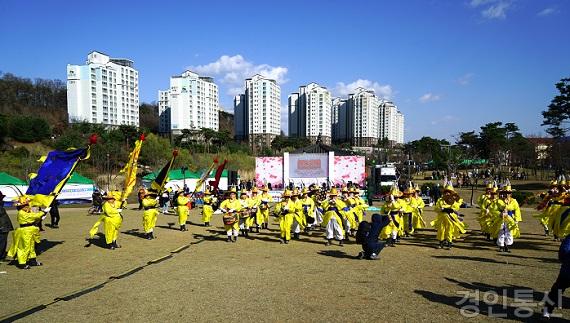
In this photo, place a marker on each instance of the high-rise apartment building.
(310, 112)
(258, 111)
(164, 120)
(364, 105)
(191, 103)
(391, 123)
(105, 90)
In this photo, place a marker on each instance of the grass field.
(197, 276)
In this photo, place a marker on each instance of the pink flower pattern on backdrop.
(349, 168)
(269, 170)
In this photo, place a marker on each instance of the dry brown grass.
(262, 280)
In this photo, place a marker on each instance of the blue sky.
(450, 66)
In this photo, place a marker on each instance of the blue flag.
(55, 171)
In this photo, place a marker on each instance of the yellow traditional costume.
(231, 208)
(489, 206)
(333, 209)
(207, 209)
(548, 198)
(554, 210)
(361, 205)
(483, 202)
(182, 210)
(256, 219)
(393, 209)
(265, 198)
(407, 203)
(505, 227)
(418, 205)
(348, 212)
(245, 214)
(111, 219)
(447, 221)
(25, 237)
(150, 214)
(299, 219)
(285, 211)
(308, 208)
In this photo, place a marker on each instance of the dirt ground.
(204, 278)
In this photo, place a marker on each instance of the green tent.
(77, 178)
(6, 179)
(176, 174)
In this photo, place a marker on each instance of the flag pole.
(174, 155)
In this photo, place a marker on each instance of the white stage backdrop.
(308, 165)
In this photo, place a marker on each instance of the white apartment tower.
(191, 102)
(164, 120)
(105, 90)
(342, 123)
(364, 105)
(391, 123)
(257, 112)
(310, 113)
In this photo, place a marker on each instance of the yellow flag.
(130, 169)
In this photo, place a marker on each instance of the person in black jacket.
(371, 246)
(5, 228)
(54, 214)
(563, 280)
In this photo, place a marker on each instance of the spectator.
(436, 192)
(97, 201)
(54, 214)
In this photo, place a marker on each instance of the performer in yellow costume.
(547, 196)
(406, 202)
(418, 205)
(256, 219)
(182, 209)
(245, 213)
(489, 207)
(315, 195)
(333, 217)
(307, 208)
(285, 211)
(447, 221)
(349, 217)
(393, 209)
(231, 207)
(150, 205)
(25, 237)
(483, 202)
(550, 207)
(111, 219)
(207, 209)
(265, 199)
(505, 227)
(361, 205)
(299, 220)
